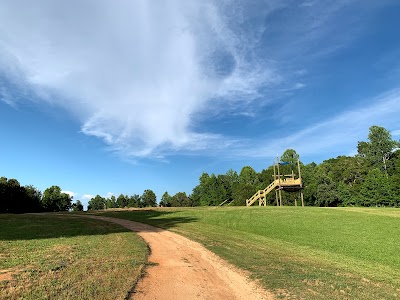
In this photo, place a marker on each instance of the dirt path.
(184, 269)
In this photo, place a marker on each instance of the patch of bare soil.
(6, 274)
(183, 269)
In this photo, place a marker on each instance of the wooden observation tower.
(288, 183)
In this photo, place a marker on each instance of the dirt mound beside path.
(183, 269)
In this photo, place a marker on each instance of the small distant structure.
(227, 202)
(288, 183)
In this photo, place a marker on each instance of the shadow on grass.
(163, 219)
(55, 225)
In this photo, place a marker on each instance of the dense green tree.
(166, 200)
(310, 182)
(134, 201)
(345, 195)
(3, 195)
(394, 174)
(122, 201)
(77, 206)
(212, 190)
(97, 203)
(248, 176)
(210, 196)
(230, 181)
(180, 199)
(379, 149)
(199, 194)
(327, 194)
(33, 197)
(376, 190)
(266, 176)
(149, 198)
(54, 200)
(248, 184)
(15, 198)
(346, 169)
(111, 202)
(290, 156)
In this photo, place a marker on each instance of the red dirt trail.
(183, 269)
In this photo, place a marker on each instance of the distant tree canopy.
(379, 149)
(148, 199)
(370, 178)
(54, 200)
(15, 198)
(77, 206)
(166, 200)
(290, 156)
(97, 203)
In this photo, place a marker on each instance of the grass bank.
(300, 253)
(57, 257)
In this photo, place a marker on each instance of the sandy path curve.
(184, 269)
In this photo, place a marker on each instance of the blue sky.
(104, 97)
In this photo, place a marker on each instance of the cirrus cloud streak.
(134, 74)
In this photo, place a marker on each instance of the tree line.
(147, 199)
(15, 198)
(369, 178)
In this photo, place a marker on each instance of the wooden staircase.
(261, 194)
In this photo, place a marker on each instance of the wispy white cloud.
(138, 74)
(338, 135)
(299, 85)
(296, 86)
(395, 132)
(134, 73)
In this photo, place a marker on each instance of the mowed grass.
(299, 253)
(57, 257)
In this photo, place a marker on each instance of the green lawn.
(300, 253)
(57, 257)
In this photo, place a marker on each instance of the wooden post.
(276, 197)
(302, 199)
(279, 173)
(298, 165)
(279, 178)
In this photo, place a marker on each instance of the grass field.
(299, 253)
(56, 257)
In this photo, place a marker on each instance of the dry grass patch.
(68, 258)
